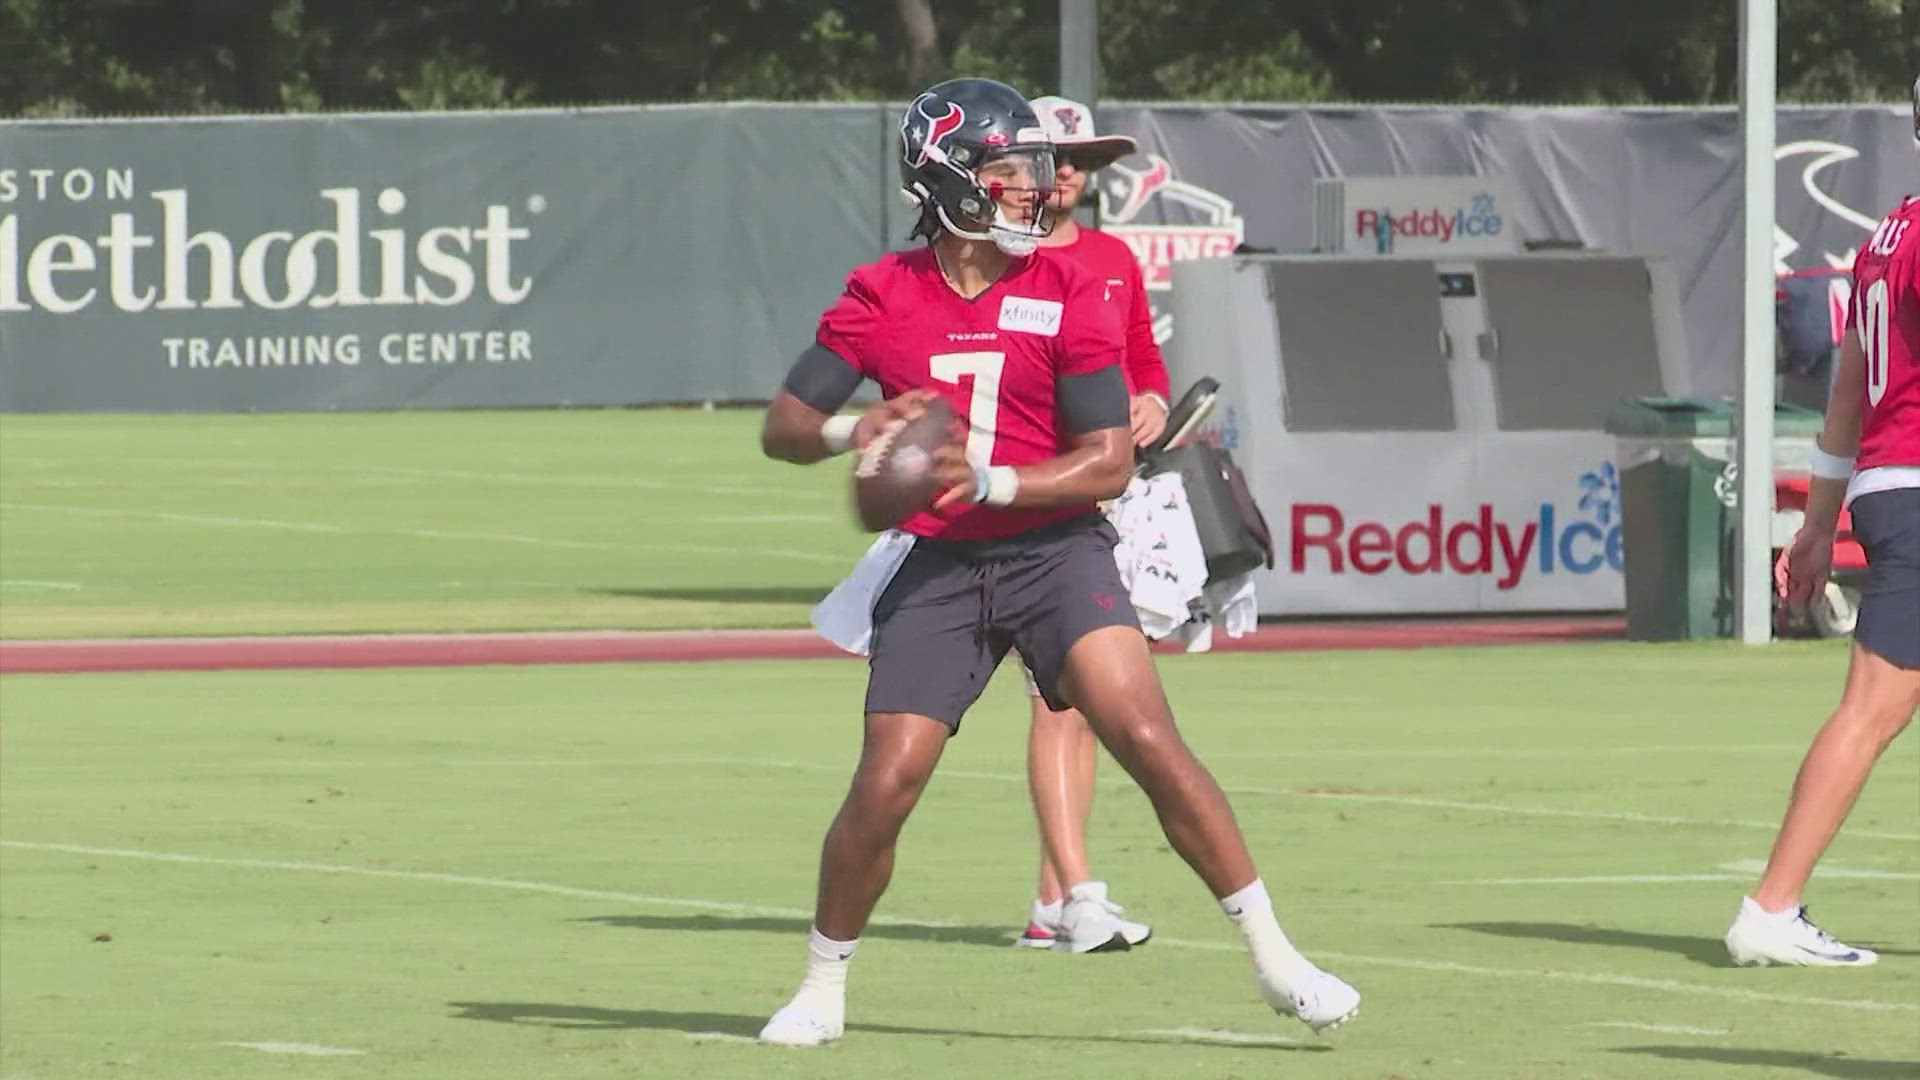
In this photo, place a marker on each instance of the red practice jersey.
(995, 359)
(1885, 311)
(1109, 256)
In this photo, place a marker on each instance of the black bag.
(1233, 533)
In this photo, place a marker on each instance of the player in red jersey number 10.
(1868, 460)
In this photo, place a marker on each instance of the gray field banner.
(1661, 182)
(368, 262)
(658, 254)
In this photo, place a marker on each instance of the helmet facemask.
(1011, 190)
(1003, 200)
(975, 159)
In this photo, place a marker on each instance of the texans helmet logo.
(1140, 186)
(938, 128)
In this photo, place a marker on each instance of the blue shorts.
(1887, 524)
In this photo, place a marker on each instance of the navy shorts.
(1887, 524)
(954, 609)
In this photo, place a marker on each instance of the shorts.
(954, 610)
(1887, 524)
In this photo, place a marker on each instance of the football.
(893, 477)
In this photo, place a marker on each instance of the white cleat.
(803, 1025)
(1043, 924)
(1089, 922)
(1758, 938)
(1037, 935)
(1318, 999)
(1043, 927)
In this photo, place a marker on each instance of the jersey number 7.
(983, 412)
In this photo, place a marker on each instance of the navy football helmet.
(975, 160)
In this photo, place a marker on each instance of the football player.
(1062, 755)
(1867, 460)
(1014, 554)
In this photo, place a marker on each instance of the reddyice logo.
(1323, 539)
(1480, 217)
(160, 255)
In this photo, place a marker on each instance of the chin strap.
(1007, 237)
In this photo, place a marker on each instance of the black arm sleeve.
(1094, 401)
(821, 379)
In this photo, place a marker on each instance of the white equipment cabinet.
(1425, 435)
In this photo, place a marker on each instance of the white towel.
(1159, 555)
(845, 617)
(1231, 603)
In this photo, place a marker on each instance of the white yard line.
(719, 1036)
(1548, 811)
(1749, 867)
(1504, 809)
(23, 583)
(1219, 1037)
(693, 482)
(1497, 751)
(1341, 796)
(1742, 870)
(568, 480)
(1603, 879)
(1630, 981)
(429, 534)
(1661, 1029)
(760, 910)
(727, 907)
(304, 1049)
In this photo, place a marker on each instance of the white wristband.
(1830, 466)
(837, 433)
(1162, 402)
(1003, 483)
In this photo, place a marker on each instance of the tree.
(93, 57)
(922, 55)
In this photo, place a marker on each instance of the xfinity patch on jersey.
(1029, 316)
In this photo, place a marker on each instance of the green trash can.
(1679, 509)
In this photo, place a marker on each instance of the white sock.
(825, 985)
(1786, 914)
(1046, 914)
(1251, 909)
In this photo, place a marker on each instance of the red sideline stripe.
(1417, 635)
(602, 647)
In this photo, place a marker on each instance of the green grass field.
(605, 872)
(1524, 857)
(191, 525)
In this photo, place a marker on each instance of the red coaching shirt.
(995, 359)
(1109, 256)
(1885, 312)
